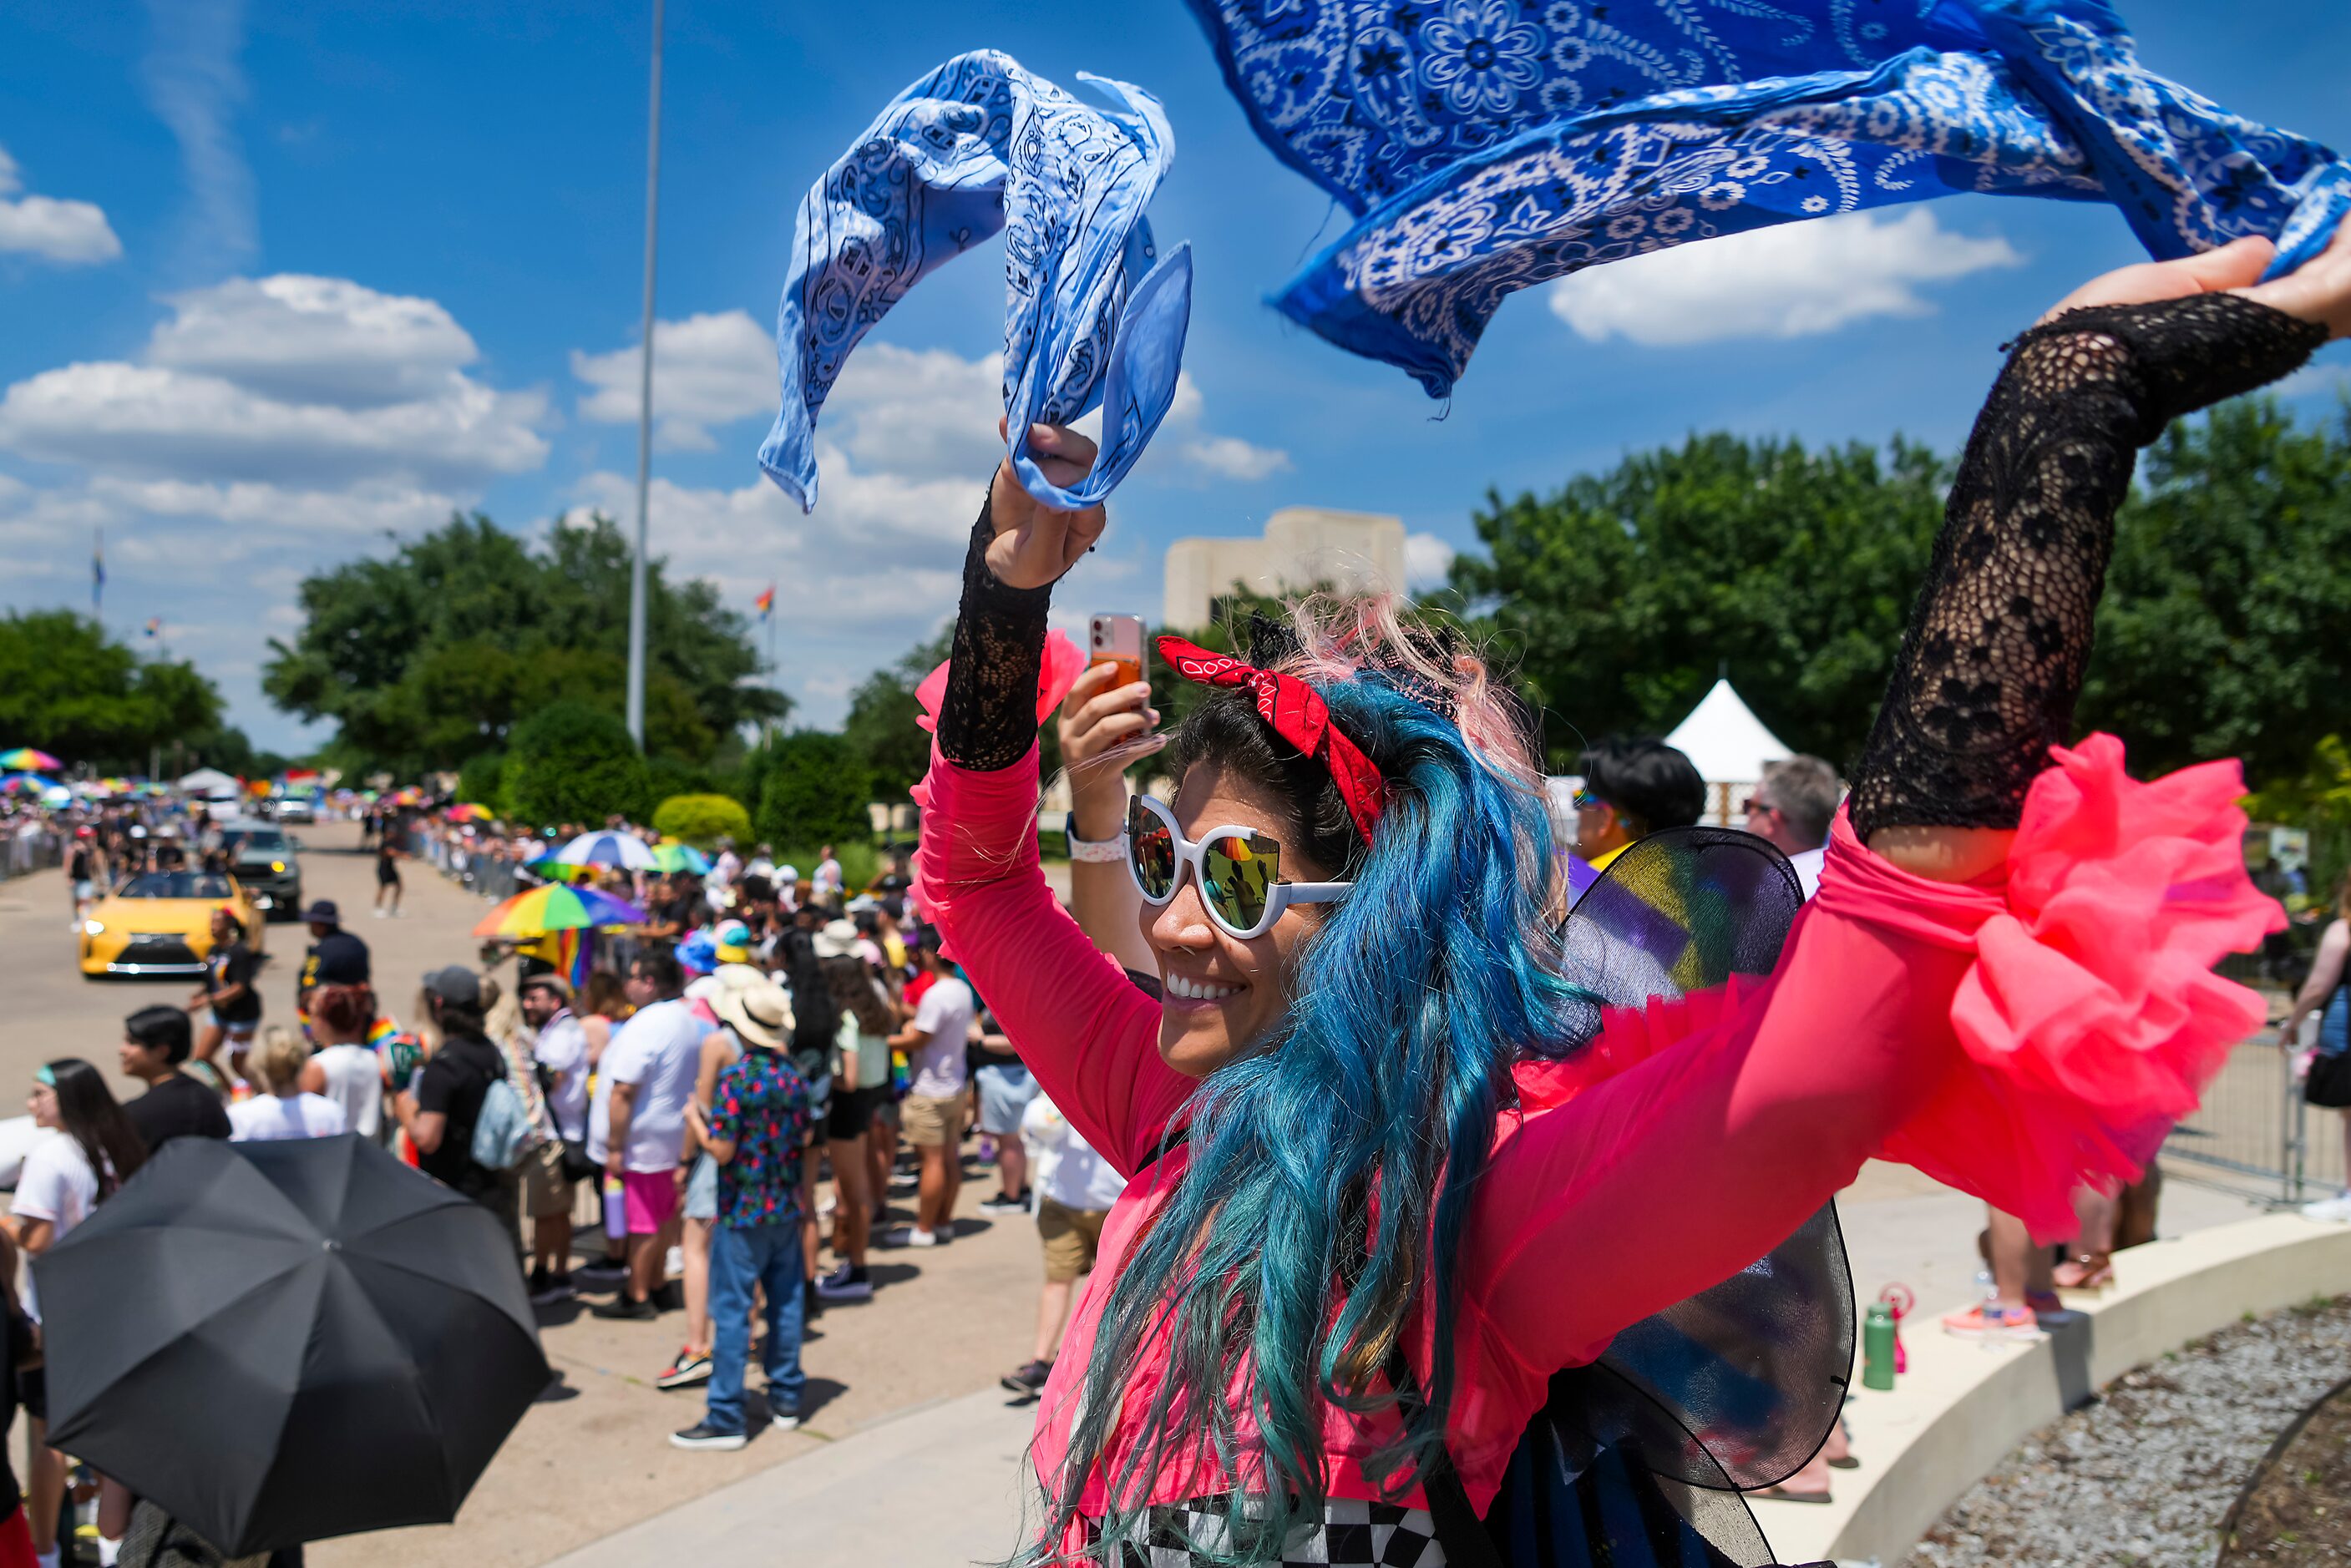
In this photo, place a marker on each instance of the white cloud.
(1427, 560)
(316, 383)
(69, 232)
(1790, 280)
(708, 370)
(1229, 457)
(195, 87)
(322, 340)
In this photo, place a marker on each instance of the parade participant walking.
(388, 857)
(230, 994)
(286, 1108)
(932, 1112)
(559, 1046)
(155, 1042)
(757, 1131)
(1387, 1194)
(63, 1179)
(637, 1120)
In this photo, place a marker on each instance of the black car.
(261, 857)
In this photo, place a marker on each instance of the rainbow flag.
(766, 603)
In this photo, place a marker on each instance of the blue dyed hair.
(1410, 1006)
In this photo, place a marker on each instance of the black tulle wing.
(1636, 1460)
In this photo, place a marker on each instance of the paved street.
(903, 1403)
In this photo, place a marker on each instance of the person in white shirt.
(1076, 1189)
(1793, 808)
(559, 1047)
(636, 1122)
(345, 1068)
(90, 1150)
(931, 1116)
(288, 1110)
(828, 876)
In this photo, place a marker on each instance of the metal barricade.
(2242, 1137)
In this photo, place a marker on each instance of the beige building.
(1303, 547)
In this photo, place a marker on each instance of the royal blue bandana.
(1485, 145)
(1092, 317)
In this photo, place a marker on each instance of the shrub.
(814, 789)
(482, 780)
(702, 820)
(668, 776)
(571, 762)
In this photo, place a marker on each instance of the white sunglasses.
(1238, 870)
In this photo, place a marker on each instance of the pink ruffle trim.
(2091, 1021)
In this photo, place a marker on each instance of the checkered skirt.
(1353, 1534)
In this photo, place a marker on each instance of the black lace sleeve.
(1998, 639)
(988, 720)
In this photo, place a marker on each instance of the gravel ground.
(2143, 1476)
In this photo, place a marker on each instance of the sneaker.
(2334, 1211)
(703, 1434)
(622, 1306)
(2014, 1324)
(547, 1287)
(1006, 1203)
(1027, 1379)
(783, 1417)
(845, 1283)
(916, 1236)
(690, 1367)
(603, 1270)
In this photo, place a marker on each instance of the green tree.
(881, 727)
(1625, 594)
(814, 789)
(571, 762)
(2226, 626)
(68, 688)
(433, 653)
(703, 820)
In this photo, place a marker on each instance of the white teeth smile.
(1199, 991)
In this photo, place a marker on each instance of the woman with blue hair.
(1391, 1171)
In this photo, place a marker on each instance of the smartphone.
(1117, 640)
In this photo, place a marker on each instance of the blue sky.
(276, 279)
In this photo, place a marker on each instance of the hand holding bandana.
(1487, 145)
(1093, 316)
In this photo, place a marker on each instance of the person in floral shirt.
(757, 1130)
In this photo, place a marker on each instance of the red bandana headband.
(1297, 715)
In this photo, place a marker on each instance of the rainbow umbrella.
(556, 908)
(681, 857)
(27, 757)
(12, 782)
(469, 814)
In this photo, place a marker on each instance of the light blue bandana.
(976, 146)
(1485, 145)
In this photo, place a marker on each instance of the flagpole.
(772, 684)
(636, 693)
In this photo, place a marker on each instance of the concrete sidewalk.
(943, 1483)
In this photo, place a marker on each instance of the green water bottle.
(1877, 1346)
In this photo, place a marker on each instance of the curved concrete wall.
(1963, 1405)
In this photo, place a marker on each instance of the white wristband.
(1093, 852)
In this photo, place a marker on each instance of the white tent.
(208, 783)
(1729, 745)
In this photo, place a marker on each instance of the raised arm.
(1088, 1035)
(1696, 1162)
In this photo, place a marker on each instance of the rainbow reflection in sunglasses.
(1239, 869)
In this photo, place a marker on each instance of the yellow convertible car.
(160, 923)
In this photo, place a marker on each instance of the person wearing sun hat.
(756, 1129)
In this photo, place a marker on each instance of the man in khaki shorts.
(932, 1114)
(1076, 1189)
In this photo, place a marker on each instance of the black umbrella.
(282, 1342)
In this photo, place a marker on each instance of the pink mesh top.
(1688, 1140)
